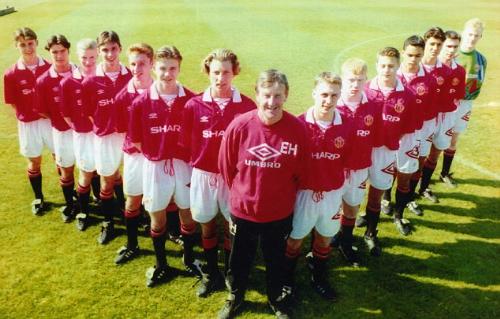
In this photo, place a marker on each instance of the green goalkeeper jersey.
(475, 66)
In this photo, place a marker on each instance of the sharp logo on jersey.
(28, 91)
(210, 134)
(466, 117)
(420, 89)
(327, 155)
(413, 153)
(165, 129)
(105, 102)
(399, 106)
(264, 152)
(152, 116)
(449, 132)
(362, 133)
(455, 81)
(339, 142)
(390, 169)
(23, 82)
(100, 91)
(452, 91)
(55, 89)
(390, 118)
(204, 119)
(368, 120)
(440, 80)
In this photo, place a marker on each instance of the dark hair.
(450, 34)
(108, 36)
(25, 33)
(168, 52)
(390, 52)
(57, 39)
(435, 32)
(415, 41)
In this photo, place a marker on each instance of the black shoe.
(349, 254)
(403, 226)
(210, 283)
(67, 213)
(372, 243)
(176, 239)
(281, 308)
(107, 233)
(414, 208)
(231, 307)
(194, 268)
(126, 254)
(156, 276)
(323, 288)
(37, 206)
(448, 180)
(429, 195)
(361, 221)
(386, 207)
(82, 221)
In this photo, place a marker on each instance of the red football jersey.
(72, 102)
(204, 124)
(441, 73)
(19, 88)
(456, 87)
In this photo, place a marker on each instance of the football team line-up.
(274, 177)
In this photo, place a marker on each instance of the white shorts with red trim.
(83, 144)
(132, 173)
(355, 187)
(442, 138)
(63, 147)
(33, 136)
(462, 116)
(163, 181)
(381, 173)
(209, 194)
(316, 210)
(429, 129)
(408, 153)
(108, 153)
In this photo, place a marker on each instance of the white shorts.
(355, 187)
(83, 144)
(108, 153)
(33, 136)
(132, 173)
(63, 147)
(164, 180)
(319, 213)
(442, 138)
(209, 194)
(408, 153)
(381, 173)
(462, 116)
(429, 128)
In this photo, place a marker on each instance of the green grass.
(447, 269)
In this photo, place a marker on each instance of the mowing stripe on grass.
(454, 284)
(477, 167)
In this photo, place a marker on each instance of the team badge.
(79, 102)
(55, 89)
(440, 80)
(390, 169)
(420, 89)
(78, 91)
(339, 142)
(455, 81)
(368, 120)
(23, 82)
(399, 107)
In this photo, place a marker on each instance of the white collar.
(100, 69)
(21, 66)
(236, 98)
(337, 119)
(54, 74)
(153, 91)
(421, 71)
(374, 85)
(364, 100)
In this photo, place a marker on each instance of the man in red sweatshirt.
(262, 160)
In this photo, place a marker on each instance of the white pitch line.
(477, 167)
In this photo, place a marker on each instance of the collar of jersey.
(153, 91)
(100, 70)
(374, 85)
(337, 120)
(54, 74)
(236, 97)
(21, 66)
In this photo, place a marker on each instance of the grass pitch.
(448, 268)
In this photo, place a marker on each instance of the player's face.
(325, 97)
(270, 102)
(387, 67)
(110, 53)
(140, 65)
(352, 84)
(433, 47)
(450, 48)
(221, 75)
(88, 58)
(27, 47)
(59, 55)
(470, 37)
(167, 70)
(412, 56)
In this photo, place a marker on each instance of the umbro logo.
(466, 117)
(152, 116)
(264, 152)
(336, 216)
(413, 153)
(204, 119)
(449, 132)
(390, 169)
(100, 91)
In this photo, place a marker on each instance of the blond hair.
(354, 65)
(329, 78)
(221, 55)
(85, 44)
(475, 23)
(269, 77)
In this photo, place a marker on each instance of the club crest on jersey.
(399, 106)
(339, 142)
(466, 117)
(414, 152)
(55, 89)
(23, 82)
(420, 89)
(368, 120)
(455, 81)
(390, 169)
(204, 119)
(152, 116)
(79, 102)
(440, 80)
(264, 152)
(100, 91)
(78, 91)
